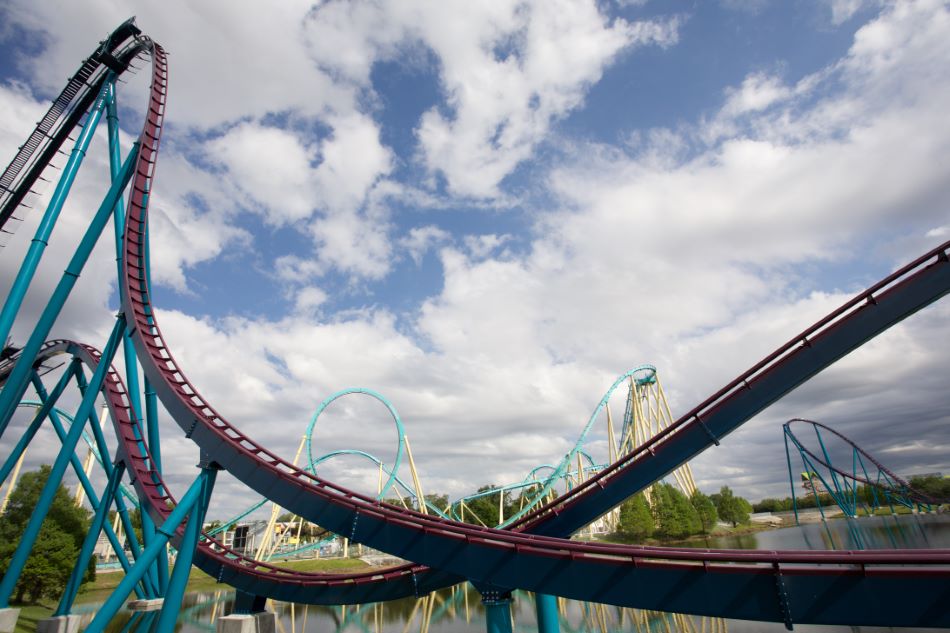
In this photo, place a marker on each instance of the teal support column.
(186, 552)
(18, 379)
(497, 611)
(41, 238)
(546, 606)
(791, 478)
(41, 414)
(60, 429)
(123, 510)
(32, 530)
(112, 605)
(89, 543)
(159, 574)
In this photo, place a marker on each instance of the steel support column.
(18, 379)
(32, 530)
(41, 238)
(546, 606)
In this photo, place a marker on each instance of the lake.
(459, 609)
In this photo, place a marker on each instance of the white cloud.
(421, 239)
(271, 167)
(353, 160)
(228, 57)
(482, 246)
(353, 244)
(758, 92)
(309, 299)
(509, 70)
(844, 10)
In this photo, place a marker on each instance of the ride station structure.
(531, 552)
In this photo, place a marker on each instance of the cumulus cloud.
(422, 239)
(227, 57)
(509, 70)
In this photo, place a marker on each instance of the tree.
(636, 519)
(687, 519)
(437, 501)
(730, 507)
(51, 562)
(937, 488)
(675, 517)
(705, 510)
(486, 507)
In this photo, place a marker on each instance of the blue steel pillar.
(546, 606)
(186, 550)
(497, 611)
(133, 542)
(61, 433)
(45, 229)
(112, 605)
(34, 426)
(159, 574)
(89, 543)
(18, 379)
(32, 530)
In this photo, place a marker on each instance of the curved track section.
(212, 556)
(706, 582)
(66, 113)
(818, 587)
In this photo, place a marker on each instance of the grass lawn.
(99, 590)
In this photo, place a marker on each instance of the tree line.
(937, 488)
(670, 514)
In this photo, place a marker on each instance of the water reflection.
(459, 609)
(906, 531)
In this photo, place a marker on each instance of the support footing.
(59, 624)
(148, 604)
(263, 622)
(8, 618)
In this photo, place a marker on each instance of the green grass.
(105, 583)
(30, 615)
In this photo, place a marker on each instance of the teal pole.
(34, 426)
(497, 611)
(133, 541)
(546, 606)
(153, 438)
(57, 424)
(791, 479)
(17, 381)
(159, 574)
(32, 530)
(41, 238)
(112, 605)
(186, 552)
(89, 543)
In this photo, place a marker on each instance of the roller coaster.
(533, 552)
(881, 486)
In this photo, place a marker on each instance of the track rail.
(64, 115)
(540, 563)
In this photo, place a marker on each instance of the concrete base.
(264, 622)
(59, 624)
(8, 618)
(153, 604)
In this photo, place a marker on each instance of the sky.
(488, 211)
